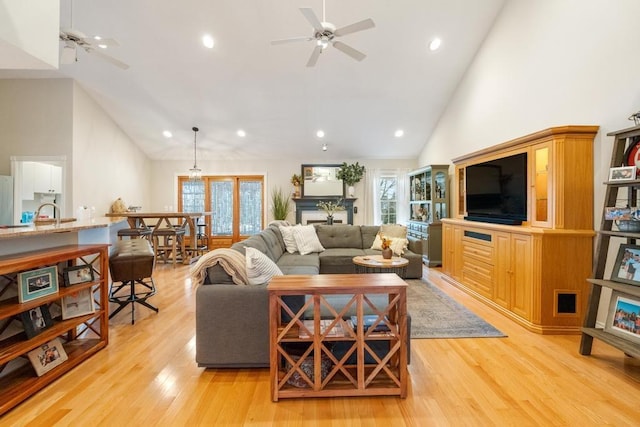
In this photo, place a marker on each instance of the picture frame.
(47, 356)
(78, 274)
(623, 317)
(36, 320)
(626, 268)
(616, 214)
(321, 181)
(623, 173)
(78, 304)
(38, 283)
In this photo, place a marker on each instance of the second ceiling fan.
(325, 33)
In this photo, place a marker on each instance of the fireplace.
(308, 206)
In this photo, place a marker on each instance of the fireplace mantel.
(310, 204)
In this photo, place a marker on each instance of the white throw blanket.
(232, 261)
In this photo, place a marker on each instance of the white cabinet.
(40, 178)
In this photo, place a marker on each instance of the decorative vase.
(351, 191)
(296, 191)
(387, 253)
(330, 220)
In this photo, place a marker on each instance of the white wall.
(547, 63)
(106, 163)
(56, 117)
(277, 174)
(29, 34)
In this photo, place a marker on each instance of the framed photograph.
(617, 214)
(36, 320)
(78, 304)
(624, 173)
(627, 266)
(78, 274)
(623, 317)
(37, 283)
(47, 356)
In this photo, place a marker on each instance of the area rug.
(436, 315)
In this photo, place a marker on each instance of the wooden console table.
(371, 374)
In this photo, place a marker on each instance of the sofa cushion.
(272, 240)
(339, 260)
(368, 233)
(339, 236)
(254, 241)
(299, 264)
(260, 268)
(307, 239)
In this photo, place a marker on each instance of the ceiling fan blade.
(358, 26)
(355, 54)
(314, 56)
(109, 42)
(312, 18)
(108, 58)
(290, 40)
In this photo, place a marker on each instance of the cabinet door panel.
(522, 276)
(503, 269)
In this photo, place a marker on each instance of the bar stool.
(131, 264)
(169, 241)
(135, 233)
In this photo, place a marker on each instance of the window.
(388, 199)
(236, 204)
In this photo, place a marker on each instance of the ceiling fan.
(325, 33)
(95, 45)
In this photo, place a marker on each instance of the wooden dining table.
(155, 220)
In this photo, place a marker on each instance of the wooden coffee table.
(377, 264)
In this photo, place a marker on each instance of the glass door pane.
(221, 208)
(250, 207)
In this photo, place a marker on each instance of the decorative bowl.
(628, 225)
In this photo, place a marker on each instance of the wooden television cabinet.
(535, 273)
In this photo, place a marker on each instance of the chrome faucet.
(55, 207)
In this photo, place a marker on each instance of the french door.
(236, 204)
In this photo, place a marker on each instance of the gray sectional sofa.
(232, 327)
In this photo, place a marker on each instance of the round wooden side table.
(377, 264)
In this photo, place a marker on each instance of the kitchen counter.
(13, 232)
(36, 237)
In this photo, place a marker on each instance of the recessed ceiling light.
(102, 46)
(435, 44)
(97, 38)
(320, 134)
(167, 134)
(399, 133)
(241, 133)
(324, 147)
(208, 41)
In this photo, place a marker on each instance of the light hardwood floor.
(147, 376)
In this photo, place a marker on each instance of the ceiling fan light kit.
(325, 33)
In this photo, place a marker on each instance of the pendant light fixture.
(195, 173)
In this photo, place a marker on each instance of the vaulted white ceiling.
(244, 82)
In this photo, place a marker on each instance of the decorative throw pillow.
(260, 268)
(287, 236)
(394, 230)
(377, 242)
(398, 244)
(306, 239)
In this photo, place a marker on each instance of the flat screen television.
(497, 190)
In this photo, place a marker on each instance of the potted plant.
(280, 204)
(330, 208)
(350, 175)
(296, 180)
